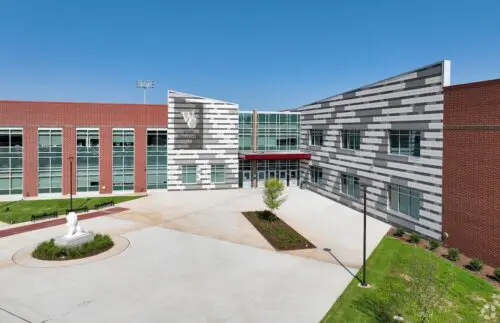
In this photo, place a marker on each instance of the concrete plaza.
(193, 258)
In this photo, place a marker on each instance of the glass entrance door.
(271, 173)
(247, 179)
(261, 178)
(282, 176)
(293, 178)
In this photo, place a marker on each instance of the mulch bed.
(487, 273)
(279, 234)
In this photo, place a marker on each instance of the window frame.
(316, 175)
(356, 185)
(348, 135)
(411, 149)
(185, 173)
(411, 193)
(215, 170)
(316, 135)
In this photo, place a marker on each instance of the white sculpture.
(76, 235)
(73, 226)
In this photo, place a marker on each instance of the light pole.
(363, 283)
(145, 85)
(70, 183)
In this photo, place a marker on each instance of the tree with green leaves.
(273, 194)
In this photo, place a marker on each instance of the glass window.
(316, 175)
(404, 142)
(123, 159)
(350, 185)
(189, 174)
(156, 168)
(49, 160)
(351, 139)
(217, 173)
(316, 137)
(404, 200)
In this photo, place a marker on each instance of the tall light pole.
(71, 183)
(145, 85)
(363, 283)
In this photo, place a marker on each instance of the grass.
(279, 234)
(48, 250)
(388, 273)
(22, 210)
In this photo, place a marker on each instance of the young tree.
(273, 194)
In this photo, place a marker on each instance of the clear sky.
(264, 55)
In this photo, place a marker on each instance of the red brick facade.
(33, 115)
(471, 169)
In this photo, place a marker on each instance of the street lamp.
(145, 85)
(363, 283)
(70, 183)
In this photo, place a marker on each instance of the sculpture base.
(74, 241)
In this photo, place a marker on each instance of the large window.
(123, 159)
(316, 137)
(49, 160)
(351, 139)
(246, 131)
(156, 169)
(405, 142)
(278, 131)
(350, 185)
(11, 161)
(217, 174)
(87, 160)
(316, 175)
(189, 174)
(404, 200)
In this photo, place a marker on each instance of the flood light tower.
(145, 85)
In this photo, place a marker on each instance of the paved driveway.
(193, 258)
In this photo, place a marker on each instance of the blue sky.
(264, 55)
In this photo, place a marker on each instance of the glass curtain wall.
(50, 160)
(11, 161)
(156, 169)
(87, 160)
(245, 131)
(123, 159)
(278, 131)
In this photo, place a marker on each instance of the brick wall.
(471, 169)
(69, 116)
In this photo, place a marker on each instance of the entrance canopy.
(275, 156)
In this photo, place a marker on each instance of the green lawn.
(21, 211)
(389, 273)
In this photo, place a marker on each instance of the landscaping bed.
(390, 274)
(48, 250)
(23, 210)
(279, 234)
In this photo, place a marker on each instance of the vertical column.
(140, 159)
(105, 160)
(30, 161)
(69, 150)
(254, 134)
(254, 173)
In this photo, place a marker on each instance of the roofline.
(373, 83)
(76, 102)
(198, 96)
(472, 84)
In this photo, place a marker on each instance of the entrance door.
(283, 176)
(247, 179)
(261, 178)
(271, 173)
(293, 178)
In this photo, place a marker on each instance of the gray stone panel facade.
(410, 101)
(201, 132)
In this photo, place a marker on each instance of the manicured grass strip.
(21, 211)
(279, 234)
(48, 250)
(388, 270)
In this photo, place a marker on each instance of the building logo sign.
(188, 126)
(190, 119)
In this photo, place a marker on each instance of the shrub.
(434, 244)
(476, 265)
(497, 273)
(399, 232)
(415, 237)
(453, 254)
(48, 250)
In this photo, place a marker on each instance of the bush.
(434, 244)
(48, 250)
(496, 273)
(415, 237)
(399, 232)
(453, 254)
(476, 265)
